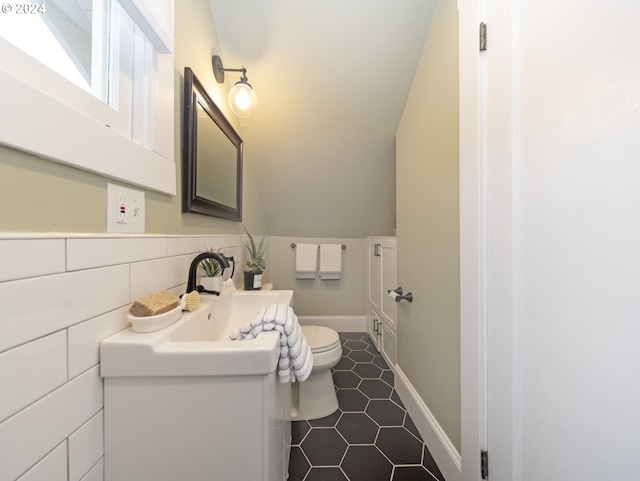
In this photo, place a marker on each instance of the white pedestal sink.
(185, 402)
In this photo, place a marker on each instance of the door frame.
(473, 315)
(489, 244)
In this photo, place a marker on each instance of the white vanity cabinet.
(197, 428)
(382, 316)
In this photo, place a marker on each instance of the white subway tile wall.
(53, 467)
(81, 253)
(96, 473)
(151, 276)
(31, 371)
(35, 307)
(86, 447)
(84, 339)
(23, 258)
(60, 296)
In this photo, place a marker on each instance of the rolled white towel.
(296, 359)
(303, 372)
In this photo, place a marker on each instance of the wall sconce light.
(242, 98)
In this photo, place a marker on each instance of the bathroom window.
(71, 38)
(99, 67)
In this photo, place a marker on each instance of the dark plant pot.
(252, 280)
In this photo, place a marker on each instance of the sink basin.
(198, 343)
(228, 313)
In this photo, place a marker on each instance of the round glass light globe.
(242, 100)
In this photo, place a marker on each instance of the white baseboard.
(337, 323)
(443, 451)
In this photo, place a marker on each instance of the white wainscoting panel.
(337, 323)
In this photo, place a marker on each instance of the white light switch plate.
(125, 210)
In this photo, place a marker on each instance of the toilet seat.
(320, 339)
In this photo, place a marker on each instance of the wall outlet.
(125, 210)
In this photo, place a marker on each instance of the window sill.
(36, 123)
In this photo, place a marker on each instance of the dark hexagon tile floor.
(371, 436)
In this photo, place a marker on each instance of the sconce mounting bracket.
(218, 69)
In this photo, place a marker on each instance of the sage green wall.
(428, 226)
(315, 297)
(38, 195)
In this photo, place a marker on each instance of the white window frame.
(48, 116)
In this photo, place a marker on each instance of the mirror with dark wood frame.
(211, 156)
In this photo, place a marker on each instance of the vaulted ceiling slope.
(332, 78)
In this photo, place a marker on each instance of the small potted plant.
(211, 271)
(256, 263)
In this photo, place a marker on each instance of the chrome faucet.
(191, 281)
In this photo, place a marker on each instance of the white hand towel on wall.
(330, 261)
(306, 261)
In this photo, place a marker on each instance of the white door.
(375, 272)
(550, 192)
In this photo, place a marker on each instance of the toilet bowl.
(316, 397)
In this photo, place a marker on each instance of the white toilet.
(316, 397)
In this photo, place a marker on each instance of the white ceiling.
(332, 78)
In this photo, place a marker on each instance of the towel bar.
(293, 246)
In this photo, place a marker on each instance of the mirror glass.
(216, 160)
(212, 156)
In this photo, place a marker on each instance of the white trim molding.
(70, 141)
(440, 446)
